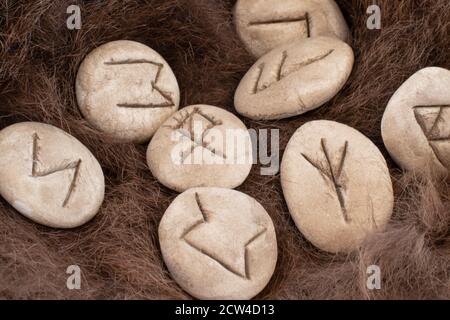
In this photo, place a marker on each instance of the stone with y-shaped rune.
(127, 90)
(416, 123)
(218, 243)
(336, 184)
(49, 176)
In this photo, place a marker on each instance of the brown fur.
(118, 251)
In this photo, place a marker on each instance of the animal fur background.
(118, 251)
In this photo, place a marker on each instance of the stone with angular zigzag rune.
(49, 176)
(127, 90)
(218, 243)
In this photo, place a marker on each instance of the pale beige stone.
(294, 78)
(266, 24)
(49, 176)
(218, 244)
(127, 90)
(336, 184)
(416, 123)
(201, 146)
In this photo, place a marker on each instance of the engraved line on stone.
(204, 220)
(34, 154)
(73, 183)
(246, 253)
(169, 102)
(280, 68)
(138, 61)
(164, 94)
(202, 144)
(201, 208)
(38, 174)
(372, 213)
(216, 259)
(281, 20)
(258, 78)
(188, 118)
(280, 75)
(333, 175)
(432, 134)
(308, 25)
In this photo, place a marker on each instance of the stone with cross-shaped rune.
(266, 24)
(218, 243)
(126, 90)
(201, 146)
(49, 176)
(336, 184)
(416, 123)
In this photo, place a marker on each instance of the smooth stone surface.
(416, 123)
(218, 244)
(201, 146)
(266, 24)
(294, 79)
(127, 90)
(336, 184)
(49, 176)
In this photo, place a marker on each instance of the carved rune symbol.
(168, 101)
(333, 173)
(36, 173)
(207, 249)
(186, 126)
(304, 18)
(281, 73)
(431, 120)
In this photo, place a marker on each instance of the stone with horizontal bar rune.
(266, 24)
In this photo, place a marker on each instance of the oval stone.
(266, 24)
(49, 176)
(218, 244)
(127, 90)
(416, 122)
(201, 146)
(336, 184)
(294, 79)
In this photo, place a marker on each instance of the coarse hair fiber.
(118, 251)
